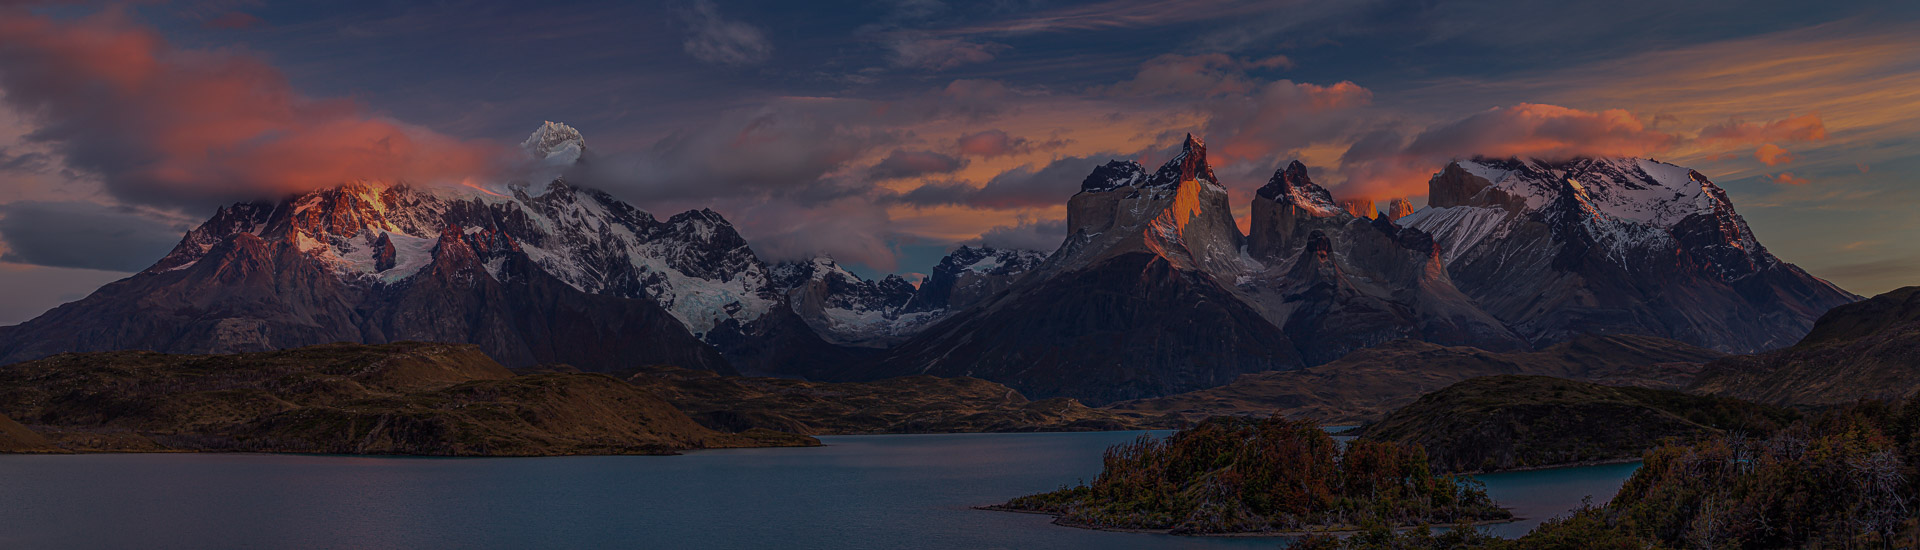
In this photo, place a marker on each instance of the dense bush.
(1229, 475)
(1845, 479)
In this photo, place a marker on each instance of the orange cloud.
(164, 124)
(997, 143)
(1282, 115)
(1773, 155)
(1544, 131)
(1379, 166)
(1787, 178)
(1800, 128)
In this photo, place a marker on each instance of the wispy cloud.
(716, 39)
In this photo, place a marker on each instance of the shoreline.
(1344, 530)
(1581, 464)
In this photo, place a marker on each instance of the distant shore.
(1331, 530)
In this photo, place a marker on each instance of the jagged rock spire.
(1360, 208)
(1398, 208)
(1113, 175)
(1291, 185)
(1189, 165)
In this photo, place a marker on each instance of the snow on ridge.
(575, 236)
(555, 141)
(1457, 228)
(1630, 189)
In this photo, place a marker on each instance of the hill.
(405, 398)
(1505, 422)
(1368, 383)
(1863, 350)
(911, 404)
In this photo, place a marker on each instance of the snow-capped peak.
(555, 143)
(1638, 190)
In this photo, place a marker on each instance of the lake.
(891, 491)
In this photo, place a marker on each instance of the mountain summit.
(1615, 245)
(1180, 213)
(1153, 291)
(555, 143)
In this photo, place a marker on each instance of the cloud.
(1772, 154)
(997, 143)
(1543, 131)
(797, 150)
(1044, 235)
(233, 20)
(849, 229)
(1886, 271)
(165, 125)
(903, 164)
(83, 235)
(1379, 166)
(715, 39)
(1119, 14)
(35, 289)
(1800, 128)
(30, 162)
(1279, 116)
(1787, 178)
(1204, 75)
(921, 51)
(1017, 188)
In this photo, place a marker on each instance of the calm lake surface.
(895, 491)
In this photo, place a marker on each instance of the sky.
(885, 132)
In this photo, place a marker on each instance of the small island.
(1232, 475)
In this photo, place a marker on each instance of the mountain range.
(1155, 290)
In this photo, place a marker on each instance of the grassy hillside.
(912, 404)
(1863, 350)
(1511, 421)
(1846, 478)
(1368, 383)
(404, 398)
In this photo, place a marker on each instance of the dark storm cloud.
(83, 235)
(1022, 187)
(903, 164)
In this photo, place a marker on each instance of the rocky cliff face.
(1556, 249)
(1336, 282)
(1359, 208)
(1137, 301)
(849, 310)
(1398, 208)
(972, 275)
(1179, 213)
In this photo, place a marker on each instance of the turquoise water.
(898, 491)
